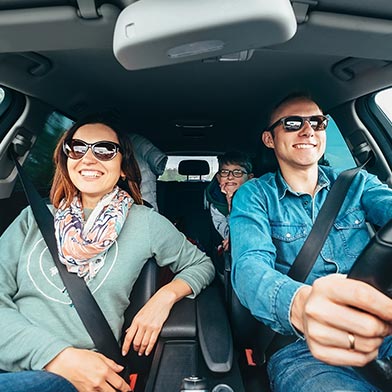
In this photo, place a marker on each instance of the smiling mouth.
(303, 146)
(90, 173)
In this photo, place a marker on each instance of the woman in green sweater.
(104, 235)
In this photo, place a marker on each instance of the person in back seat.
(152, 162)
(235, 168)
(105, 236)
(331, 323)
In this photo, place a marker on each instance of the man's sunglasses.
(295, 123)
(236, 172)
(102, 150)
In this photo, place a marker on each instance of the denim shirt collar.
(282, 186)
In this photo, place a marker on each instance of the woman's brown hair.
(62, 186)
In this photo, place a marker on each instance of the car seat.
(249, 336)
(182, 202)
(195, 340)
(144, 288)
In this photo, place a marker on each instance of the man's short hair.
(295, 96)
(236, 158)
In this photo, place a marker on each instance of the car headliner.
(341, 51)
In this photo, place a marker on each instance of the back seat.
(183, 203)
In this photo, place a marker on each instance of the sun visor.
(152, 33)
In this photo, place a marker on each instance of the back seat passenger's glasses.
(295, 123)
(102, 150)
(236, 172)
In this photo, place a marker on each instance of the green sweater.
(37, 320)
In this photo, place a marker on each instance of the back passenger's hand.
(229, 193)
(226, 244)
(88, 371)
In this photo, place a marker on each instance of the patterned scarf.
(82, 246)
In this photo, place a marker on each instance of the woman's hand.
(88, 371)
(344, 320)
(148, 322)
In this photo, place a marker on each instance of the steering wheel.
(374, 266)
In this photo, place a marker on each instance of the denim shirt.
(269, 223)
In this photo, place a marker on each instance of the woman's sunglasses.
(102, 150)
(295, 123)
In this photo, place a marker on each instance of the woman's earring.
(123, 178)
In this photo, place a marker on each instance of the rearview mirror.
(152, 33)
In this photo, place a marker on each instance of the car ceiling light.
(244, 55)
(152, 33)
(195, 48)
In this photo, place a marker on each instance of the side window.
(337, 153)
(5, 101)
(383, 99)
(39, 163)
(380, 106)
(171, 170)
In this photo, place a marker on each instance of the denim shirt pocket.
(287, 232)
(288, 239)
(352, 232)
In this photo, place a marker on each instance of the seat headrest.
(265, 162)
(194, 167)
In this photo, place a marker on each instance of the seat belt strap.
(312, 246)
(87, 308)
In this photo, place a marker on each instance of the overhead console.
(152, 33)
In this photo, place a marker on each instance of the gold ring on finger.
(351, 340)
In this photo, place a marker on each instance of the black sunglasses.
(102, 150)
(236, 172)
(295, 123)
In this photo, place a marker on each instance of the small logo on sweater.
(46, 279)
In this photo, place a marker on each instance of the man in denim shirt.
(337, 321)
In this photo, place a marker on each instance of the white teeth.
(90, 173)
(304, 146)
